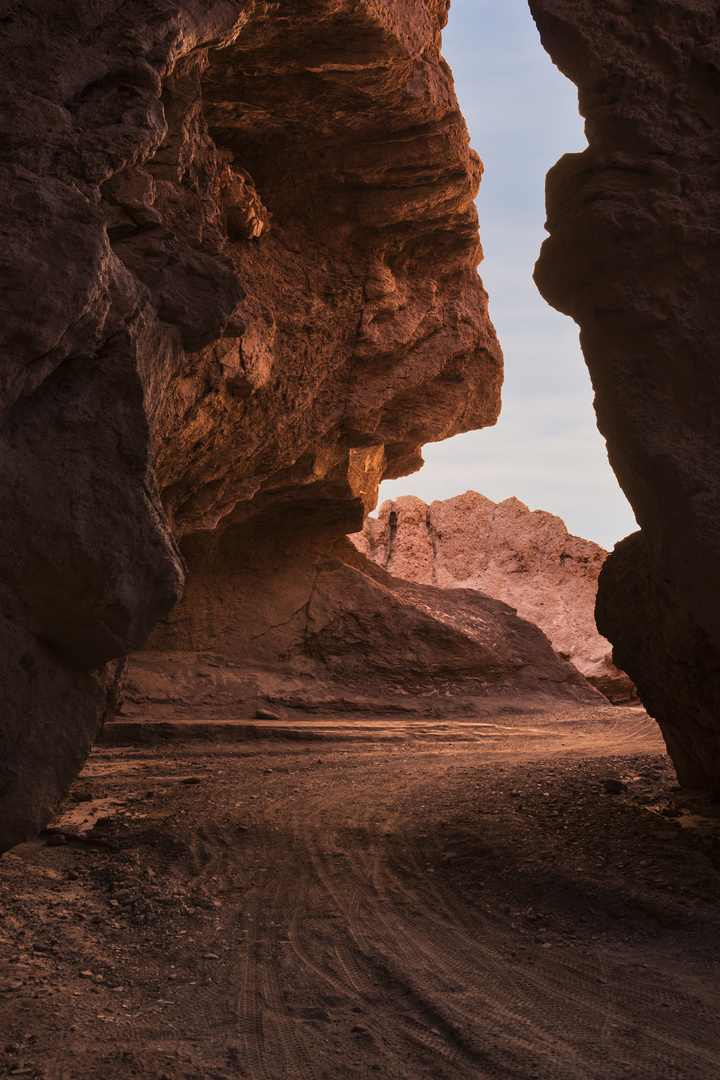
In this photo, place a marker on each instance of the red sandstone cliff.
(525, 558)
(633, 256)
(238, 279)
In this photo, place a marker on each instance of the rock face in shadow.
(279, 597)
(633, 257)
(238, 277)
(674, 661)
(525, 558)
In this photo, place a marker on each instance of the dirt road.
(431, 906)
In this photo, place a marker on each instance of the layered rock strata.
(634, 226)
(525, 558)
(238, 277)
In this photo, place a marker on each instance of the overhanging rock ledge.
(238, 279)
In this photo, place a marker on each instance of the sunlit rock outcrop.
(238, 278)
(634, 226)
(525, 558)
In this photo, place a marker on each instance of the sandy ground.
(440, 903)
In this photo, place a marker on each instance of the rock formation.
(238, 283)
(525, 558)
(316, 612)
(633, 257)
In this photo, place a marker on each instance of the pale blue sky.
(522, 116)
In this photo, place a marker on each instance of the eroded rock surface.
(676, 663)
(633, 257)
(525, 558)
(318, 614)
(238, 275)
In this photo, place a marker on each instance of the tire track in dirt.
(367, 885)
(587, 988)
(249, 1010)
(361, 933)
(439, 965)
(312, 833)
(388, 944)
(295, 925)
(449, 952)
(272, 1045)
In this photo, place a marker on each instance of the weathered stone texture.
(633, 256)
(238, 274)
(673, 660)
(304, 605)
(525, 558)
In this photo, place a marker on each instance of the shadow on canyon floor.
(432, 906)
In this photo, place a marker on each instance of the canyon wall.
(311, 615)
(634, 225)
(525, 558)
(238, 284)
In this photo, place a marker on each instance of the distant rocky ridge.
(525, 558)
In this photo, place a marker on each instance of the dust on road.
(423, 907)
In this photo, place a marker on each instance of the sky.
(546, 450)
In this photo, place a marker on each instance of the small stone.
(56, 840)
(210, 956)
(614, 787)
(265, 714)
